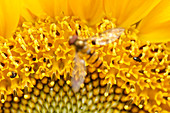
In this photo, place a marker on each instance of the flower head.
(37, 63)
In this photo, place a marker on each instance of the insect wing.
(108, 36)
(78, 74)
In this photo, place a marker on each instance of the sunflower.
(37, 63)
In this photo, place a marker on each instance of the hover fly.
(82, 46)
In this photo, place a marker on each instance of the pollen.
(37, 63)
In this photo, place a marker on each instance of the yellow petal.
(9, 16)
(155, 27)
(128, 12)
(2, 24)
(40, 7)
(55, 7)
(160, 33)
(89, 10)
(31, 8)
(27, 15)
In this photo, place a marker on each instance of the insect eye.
(73, 39)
